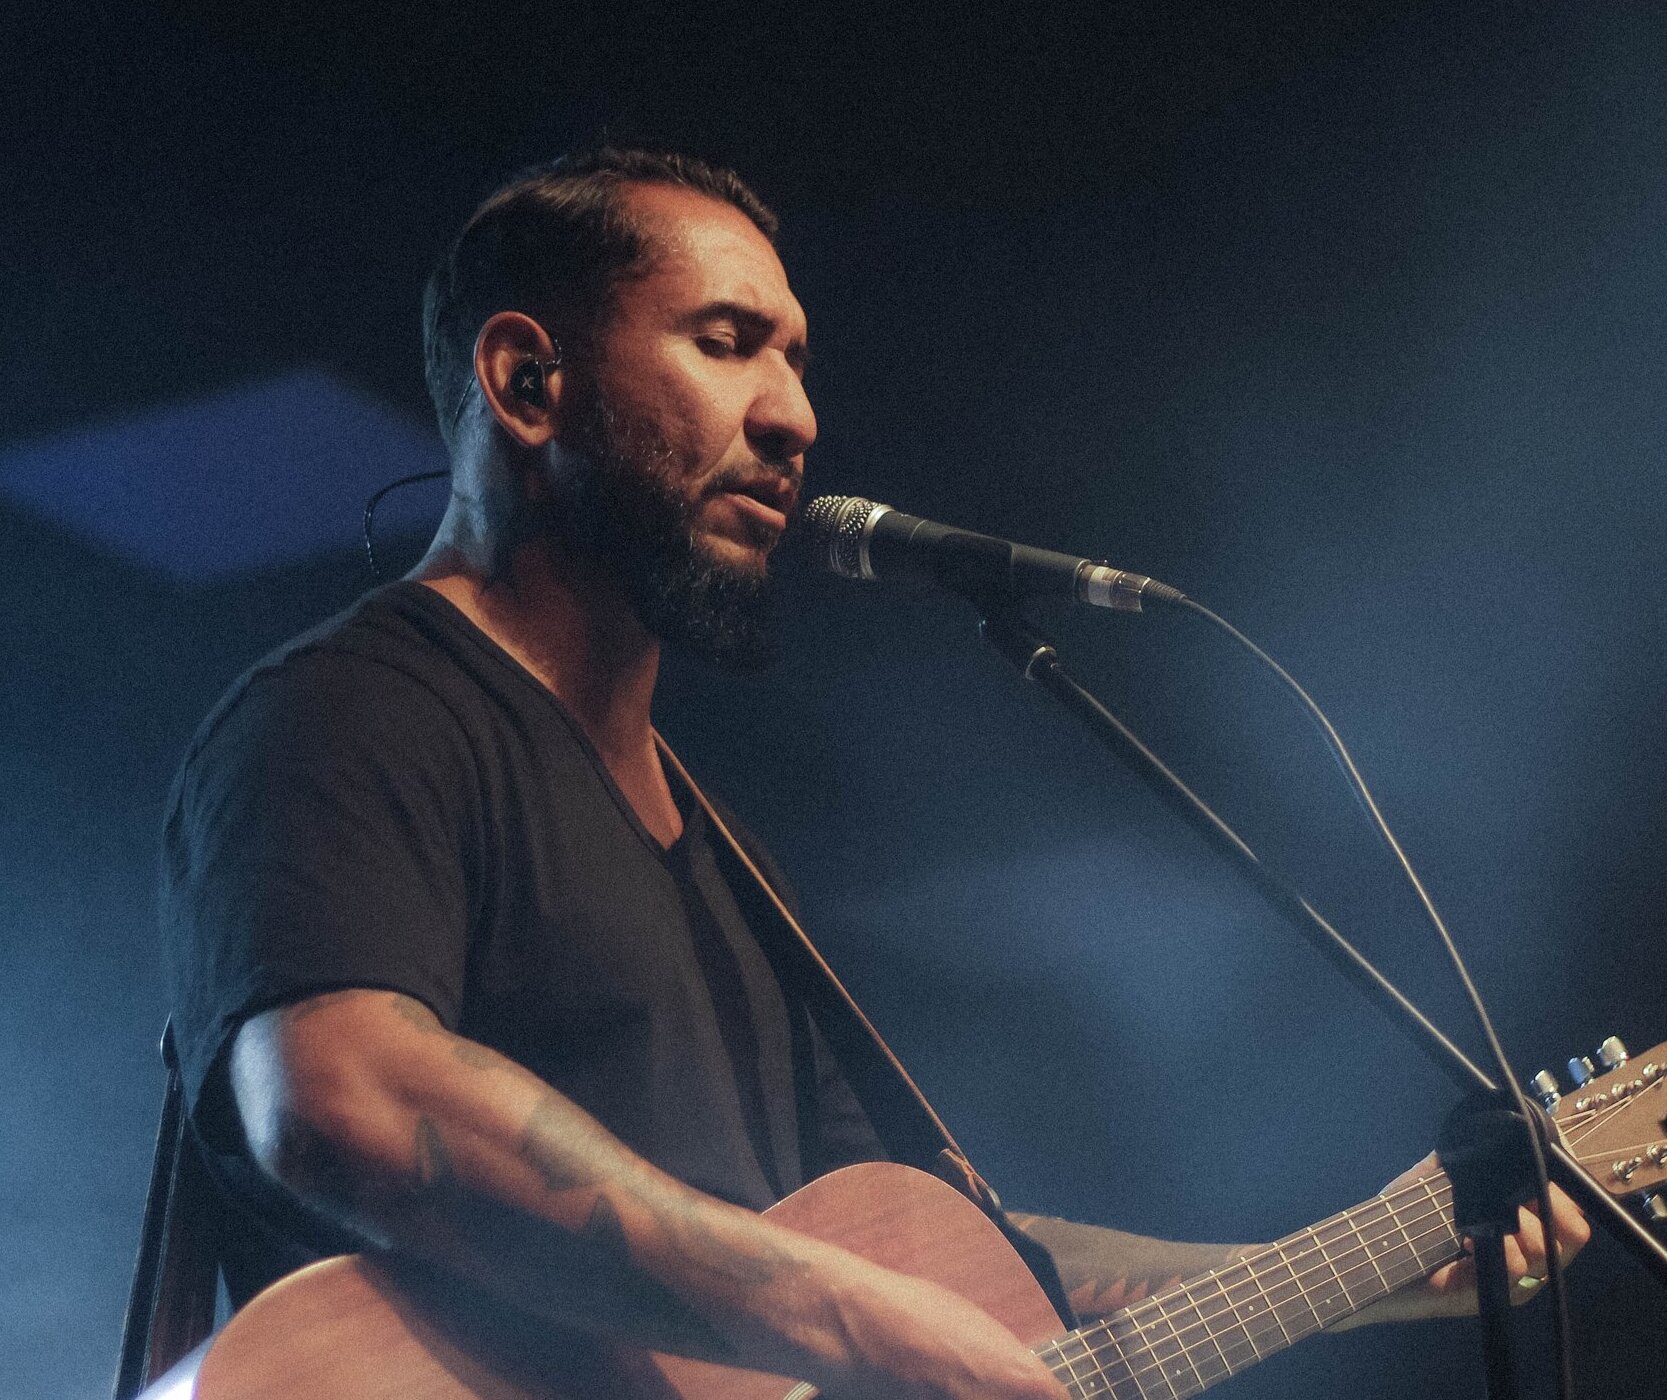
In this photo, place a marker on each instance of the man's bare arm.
(432, 1145)
(1104, 1270)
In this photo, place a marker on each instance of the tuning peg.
(1582, 1071)
(1543, 1087)
(1612, 1054)
(1655, 1208)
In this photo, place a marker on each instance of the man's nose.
(782, 424)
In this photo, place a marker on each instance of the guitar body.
(349, 1329)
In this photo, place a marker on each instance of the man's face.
(694, 423)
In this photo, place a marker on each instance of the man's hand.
(1451, 1290)
(912, 1340)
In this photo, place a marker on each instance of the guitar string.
(1295, 1254)
(1140, 1372)
(1401, 1196)
(1299, 1266)
(1602, 1113)
(1597, 1116)
(1593, 1118)
(1609, 1154)
(1142, 1361)
(1392, 1199)
(1581, 1119)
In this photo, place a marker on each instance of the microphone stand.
(1484, 1155)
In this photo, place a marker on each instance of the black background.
(1344, 318)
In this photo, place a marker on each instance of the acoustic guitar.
(354, 1328)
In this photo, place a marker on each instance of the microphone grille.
(833, 533)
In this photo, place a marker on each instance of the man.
(457, 973)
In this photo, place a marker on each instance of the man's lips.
(763, 503)
(751, 508)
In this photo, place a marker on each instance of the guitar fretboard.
(1182, 1341)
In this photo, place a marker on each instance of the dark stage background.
(1345, 318)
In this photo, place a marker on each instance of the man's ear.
(518, 368)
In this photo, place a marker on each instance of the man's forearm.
(1104, 1270)
(428, 1143)
(465, 1160)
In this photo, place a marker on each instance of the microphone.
(862, 539)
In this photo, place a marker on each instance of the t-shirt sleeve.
(317, 837)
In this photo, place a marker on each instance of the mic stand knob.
(1012, 636)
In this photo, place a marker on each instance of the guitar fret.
(1280, 1295)
(1210, 1336)
(1095, 1381)
(1103, 1383)
(1403, 1261)
(1069, 1361)
(1151, 1366)
(1218, 1294)
(1256, 1311)
(1249, 1336)
(1268, 1300)
(1144, 1345)
(1257, 1324)
(1449, 1237)
(1388, 1254)
(1205, 1361)
(1180, 1347)
(1111, 1363)
(1330, 1239)
(1406, 1236)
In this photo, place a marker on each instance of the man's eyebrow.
(753, 321)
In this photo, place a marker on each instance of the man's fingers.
(1569, 1228)
(1529, 1242)
(1517, 1259)
(1569, 1224)
(1525, 1251)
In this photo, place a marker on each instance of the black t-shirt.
(392, 801)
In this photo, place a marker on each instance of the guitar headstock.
(1615, 1119)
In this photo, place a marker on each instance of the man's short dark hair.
(554, 243)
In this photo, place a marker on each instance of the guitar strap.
(908, 1126)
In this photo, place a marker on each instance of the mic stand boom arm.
(1038, 661)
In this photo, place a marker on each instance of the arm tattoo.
(474, 1055)
(543, 1149)
(297, 1012)
(319, 1167)
(656, 1302)
(434, 1167)
(605, 1229)
(465, 1051)
(695, 1242)
(1105, 1270)
(415, 1014)
(546, 1146)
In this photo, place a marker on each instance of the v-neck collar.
(437, 605)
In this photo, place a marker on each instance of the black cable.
(376, 499)
(1542, 1187)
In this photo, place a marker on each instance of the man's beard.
(621, 507)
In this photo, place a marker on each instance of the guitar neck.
(1184, 1340)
